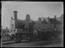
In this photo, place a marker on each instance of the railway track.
(32, 43)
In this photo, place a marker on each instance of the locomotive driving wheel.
(18, 37)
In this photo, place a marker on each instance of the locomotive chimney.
(15, 15)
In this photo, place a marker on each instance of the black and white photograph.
(32, 24)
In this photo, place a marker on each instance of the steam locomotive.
(43, 31)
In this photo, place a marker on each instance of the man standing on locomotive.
(29, 26)
(27, 22)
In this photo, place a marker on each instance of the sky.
(34, 9)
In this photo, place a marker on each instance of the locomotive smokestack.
(15, 15)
